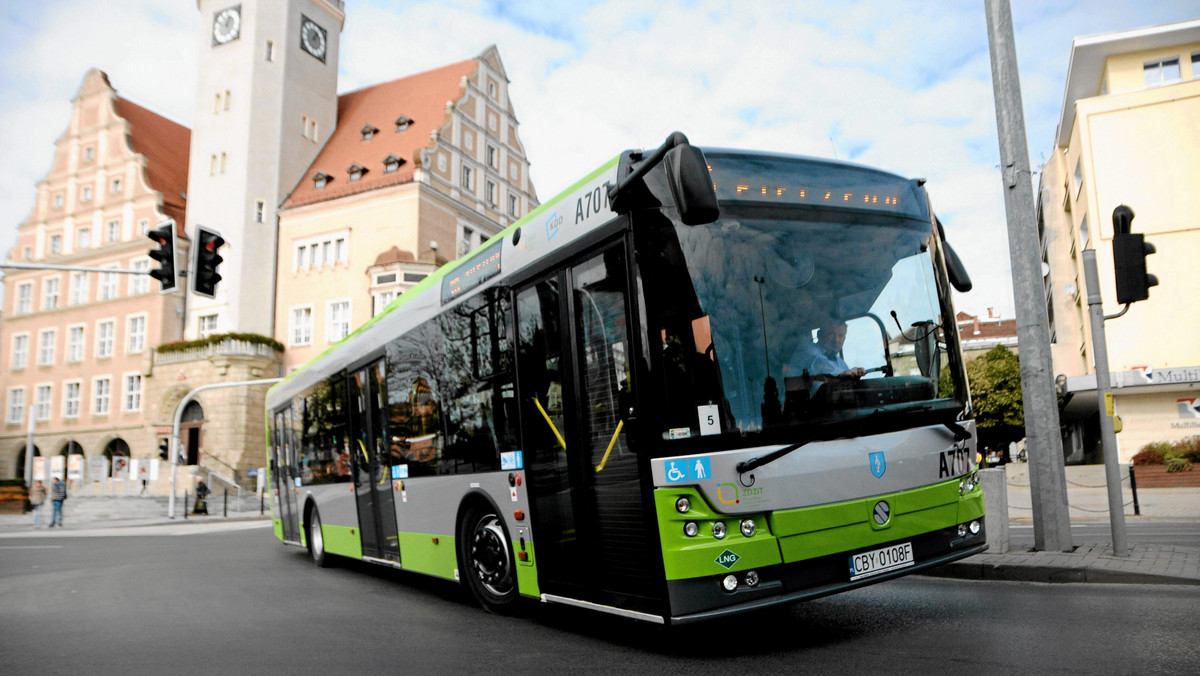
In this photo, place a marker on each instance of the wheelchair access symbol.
(687, 469)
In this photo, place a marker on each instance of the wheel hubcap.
(318, 542)
(490, 556)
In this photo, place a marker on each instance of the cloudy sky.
(905, 86)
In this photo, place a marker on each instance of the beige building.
(419, 171)
(77, 346)
(1127, 134)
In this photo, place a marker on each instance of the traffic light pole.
(1108, 436)
(174, 448)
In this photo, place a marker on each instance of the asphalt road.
(239, 602)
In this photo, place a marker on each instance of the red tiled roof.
(166, 146)
(421, 97)
(968, 324)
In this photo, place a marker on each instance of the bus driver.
(824, 357)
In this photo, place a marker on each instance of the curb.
(1008, 572)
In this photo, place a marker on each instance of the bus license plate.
(879, 561)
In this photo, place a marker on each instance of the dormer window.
(320, 180)
(403, 123)
(368, 132)
(391, 163)
(356, 171)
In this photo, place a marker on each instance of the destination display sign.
(477, 269)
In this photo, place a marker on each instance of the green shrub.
(182, 345)
(1178, 464)
(1188, 448)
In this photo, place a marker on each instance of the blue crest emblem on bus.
(878, 464)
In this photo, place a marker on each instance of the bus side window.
(413, 401)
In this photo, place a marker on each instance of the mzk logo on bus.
(878, 464)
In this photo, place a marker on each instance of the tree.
(995, 381)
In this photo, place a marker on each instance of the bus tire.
(486, 559)
(316, 540)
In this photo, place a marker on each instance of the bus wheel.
(486, 556)
(316, 540)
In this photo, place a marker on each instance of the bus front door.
(587, 490)
(372, 465)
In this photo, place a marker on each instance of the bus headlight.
(968, 484)
(729, 582)
(690, 529)
(682, 505)
(752, 578)
(975, 527)
(719, 530)
(748, 527)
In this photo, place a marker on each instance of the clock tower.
(266, 103)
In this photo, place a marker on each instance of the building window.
(466, 178)
(133, 392)
(114, 231)
(212, 165)
(301, 257)
(71, 400)
(46, 342)
(143, 227)
(79, 288)
(75, 344)
(24, 298)
(89, 154)
(105, 331)
(85, 195)
(320, 180)
(41, 406)
(490, 192)
(260, 208)
(391, 163)
(1161, 71)
(380, 300)
(55, 245)
(1196, 65)
(491, 89)
(403, 123)
(139, 284)
(1084, 235)
(20, 351)
(302, 325)
(16, 405)
(135, 334)
(270, 51)
(108, 284)
(50, 293)
(101, 390)
(340, 250)
(58, 201)
(493, 156)
(356, 172)
(468, 239)
(514, 205)
(114, 186)
(207, 325)
(368, 132)
(337, 320)
(83, 238)
(1078, 177)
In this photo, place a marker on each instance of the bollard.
(262, 503)
(1137, 510)
(995, 500)
(185, 509)
(225, 508)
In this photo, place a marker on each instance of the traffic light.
(1129, 258)
(164, 448)
(206, 260)
(164, 236)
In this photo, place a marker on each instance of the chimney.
(992, 314)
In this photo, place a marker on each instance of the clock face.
(226, 25)
(312, 38)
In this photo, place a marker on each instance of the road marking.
(31, 547)
(167, 529)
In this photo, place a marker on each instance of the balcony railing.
(228, 347)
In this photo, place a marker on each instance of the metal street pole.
(1047, 475)
(174, 446)
(1108, 436)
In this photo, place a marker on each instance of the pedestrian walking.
(58, 495)
(37, 499)
(201, 505)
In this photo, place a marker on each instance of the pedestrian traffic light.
(206, 259)
(166, 274)
(1129, 258)
(164, 448)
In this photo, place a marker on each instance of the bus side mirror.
(691, 185)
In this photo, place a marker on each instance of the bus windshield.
(772, 317)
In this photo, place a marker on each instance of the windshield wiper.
(944, 414)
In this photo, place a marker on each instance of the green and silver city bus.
(607, 404)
